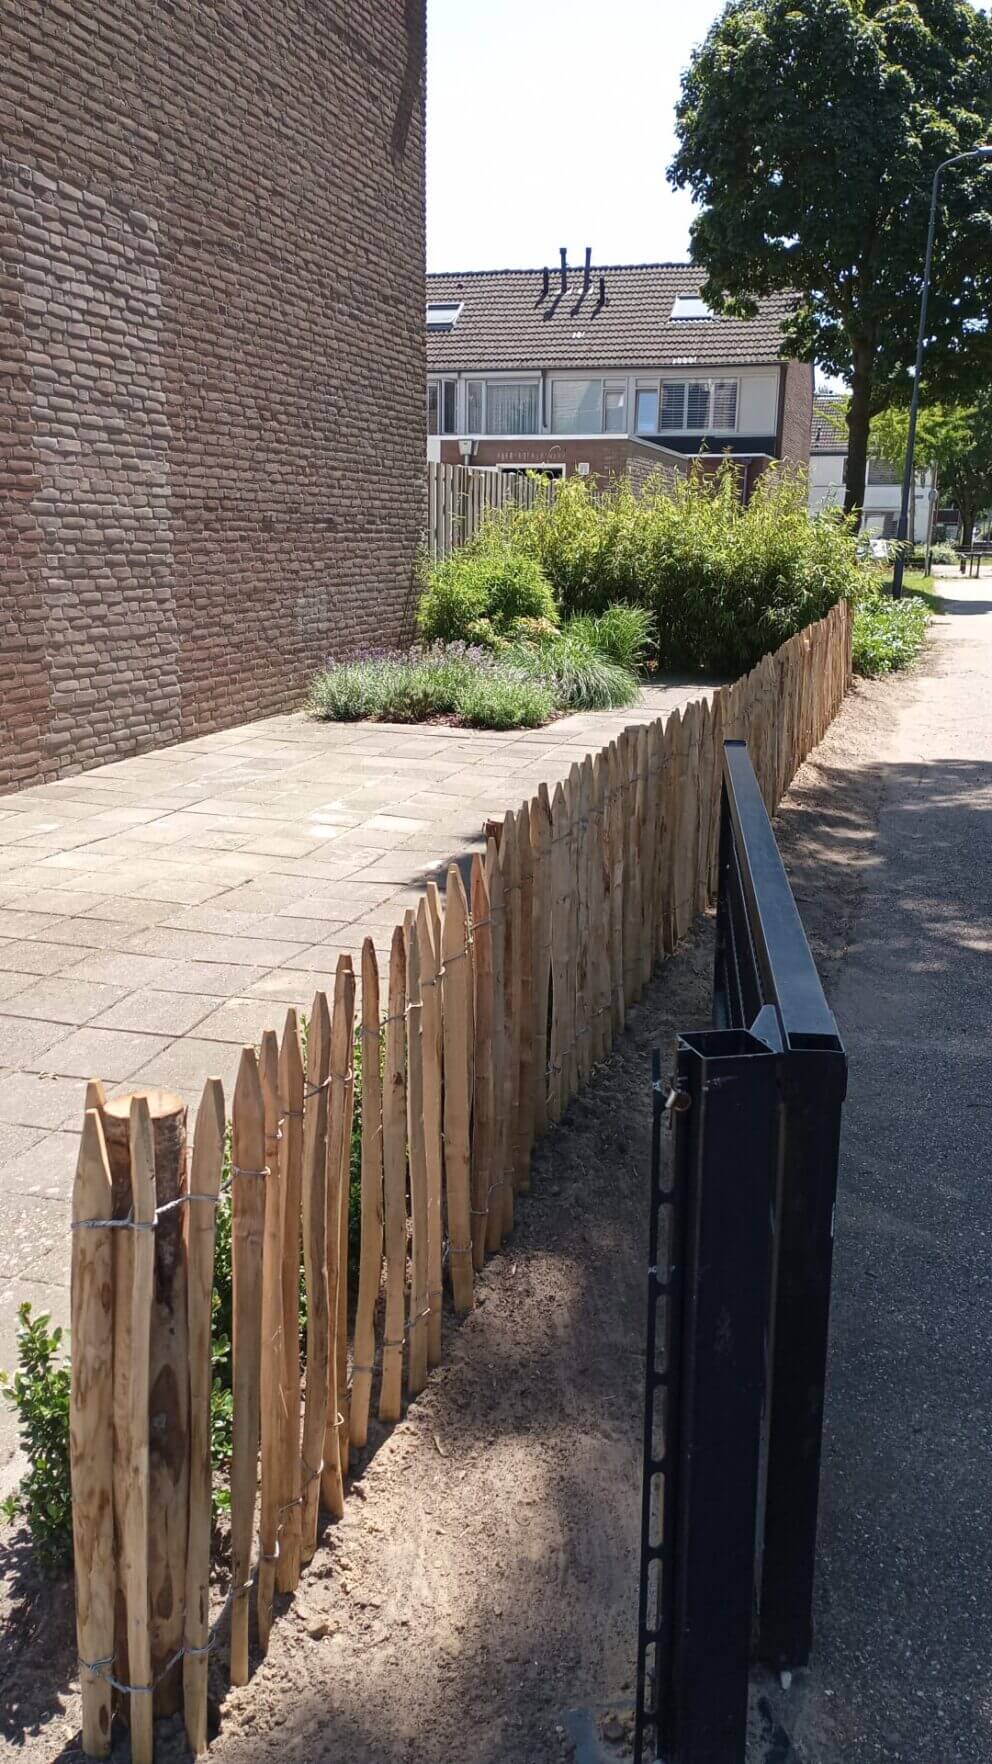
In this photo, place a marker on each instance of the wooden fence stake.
(394, 1179)
(291, 1086)
(270, 1376)
(615, 873)
(91, 1430)
(509, 859)
(483, 1109)
(419, 1301)
(248, 1180)
(584, 962)
(344, 1242)
(432, 1050)
(315, 1266)
(456, 1004)
(497, 915)
(370, 1267)
(205, 1174)
(336, 1179)
(599, 909)
(134, 1567)
(560, 979)
(525, 1033)
(540, 841)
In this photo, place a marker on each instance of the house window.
(441, 407)
(615, 409)
(646, 410)
(577, 407)
(511, 408)
(473, 407)
(697, 405)
(443, 315)
(690, 306)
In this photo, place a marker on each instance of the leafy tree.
(809, 132)
(955, 438)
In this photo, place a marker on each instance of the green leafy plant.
(576, 673)
(505, 700)
(487, 582)
(622, 633)
(887, 634)
(38, 1392)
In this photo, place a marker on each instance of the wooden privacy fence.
(497, 1003)
(460, 497)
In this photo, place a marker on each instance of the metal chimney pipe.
(602, 290)
(545, 282)
(588, 271)
(564, 268)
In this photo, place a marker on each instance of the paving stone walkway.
(157, 913)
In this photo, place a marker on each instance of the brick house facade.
(211, 361)
(601, 369)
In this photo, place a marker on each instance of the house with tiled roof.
(883, 484)
(607, 370)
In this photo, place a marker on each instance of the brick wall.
(619, 457)
(211, 361)
(797, 412)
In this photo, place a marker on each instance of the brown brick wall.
(211, 361)
(606, 459)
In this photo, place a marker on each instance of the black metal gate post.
(746, 1291)
(725, 1155)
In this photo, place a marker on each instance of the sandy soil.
(481, 1588)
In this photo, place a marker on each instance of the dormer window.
(443, 315)
(691, 306)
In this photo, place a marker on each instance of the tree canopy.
(957, 440)
(809, 132)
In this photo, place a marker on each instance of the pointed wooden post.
(248, 1179)
(509, 858)
(272, 1342)
(525, 1068)
(483, 1108)
(617, 880)
(91, 1430)
(456, 1004)
(370, 1264)
(540, 841)
(291, 1087)
(419, 1302)
(428, 936)
(315, 1266)
(583, 953)
(394, 1183)
(134, 1562)
(497, 917)
(560, 980)
(204, 1187)
(599, 910)
(337, 1155)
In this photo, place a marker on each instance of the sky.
(550, 123)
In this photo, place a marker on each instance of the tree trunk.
(858, 419)
(967, 526)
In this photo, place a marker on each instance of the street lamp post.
(914, 405)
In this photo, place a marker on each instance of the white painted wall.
(826, 490)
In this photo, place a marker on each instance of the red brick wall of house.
(606, 459)
(211, 361)
(797, 412)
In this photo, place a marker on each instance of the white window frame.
(616, 384)
(455, 307)
(440, 381)
(501, 378)
(687, 379)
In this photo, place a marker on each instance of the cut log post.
(204, 1187)
(315, 1266)
(540, 841)
(509, 859)
(134, 1560)
(344, 1242)
(91, 1431)
(272, 1340)
(561, 886)
(432, 1051)
(525, 1032)
(249, 1175)
(370, 1264)
(483, 1108)
(291, 1088)
(456, 1004)
(168, 1378)
(394, 1184)
(337, 1163)
(419, 1300)
(614, 860)
(497, 915)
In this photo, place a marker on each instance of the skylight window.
(443, 315)
(691, 306)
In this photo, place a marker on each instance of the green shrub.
(38, 1392)
(488, 580)
(504, 699)
(578, 675)
(887, 634)
(622, 633)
